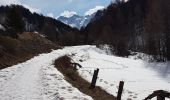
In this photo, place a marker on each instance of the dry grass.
(26, 46)
(72, 76)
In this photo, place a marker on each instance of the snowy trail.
(23, 84)
(37, 79)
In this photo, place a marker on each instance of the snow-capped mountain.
(74, 20)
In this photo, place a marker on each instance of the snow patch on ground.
(2, 27)
(42, 35)
(141, 56)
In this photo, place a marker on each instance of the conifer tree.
(14, 21)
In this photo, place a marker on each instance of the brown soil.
(63, 64)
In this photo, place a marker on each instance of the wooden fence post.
(121, 84)
(94, 79)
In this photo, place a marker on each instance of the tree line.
(135, 25)
(17, 19)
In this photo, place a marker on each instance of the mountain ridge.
(32, 22)
(76, 21)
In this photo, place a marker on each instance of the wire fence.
(90, 69)
(90, 72)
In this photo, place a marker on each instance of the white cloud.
(68, 13)
(32, 9)
(8, 2)
(93, 10)
(50, 15)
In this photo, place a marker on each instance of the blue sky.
(56, 7)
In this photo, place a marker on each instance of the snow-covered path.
(23, 84)
(37, 79)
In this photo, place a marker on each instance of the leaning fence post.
(121, 84)
(94, 79)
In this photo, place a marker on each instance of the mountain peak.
(71, 18)
(68, 14)
(93, 10)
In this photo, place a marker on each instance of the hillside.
(135, 25)
(16, 19)
(26, 46)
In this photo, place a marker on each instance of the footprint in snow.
(60, 79)
(2, 76)
(130, 92)
(46, 84)
(69, 87)
(57, 93)
(130, 95)
(101, 80)
(63, 87)
(52, 74)
(48, 79)
(75, 97)
(111, 84)
(105, 82)
(61, 98)
(134, 96)
(50, 92)
(70, 90)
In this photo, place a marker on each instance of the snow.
(74, 20)
(141, 77)
(37, 79)
(68, 14)
(31, 9)
(142, 56)
(2, 27)
(42, 35)
(93, 10)
(50, 15)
